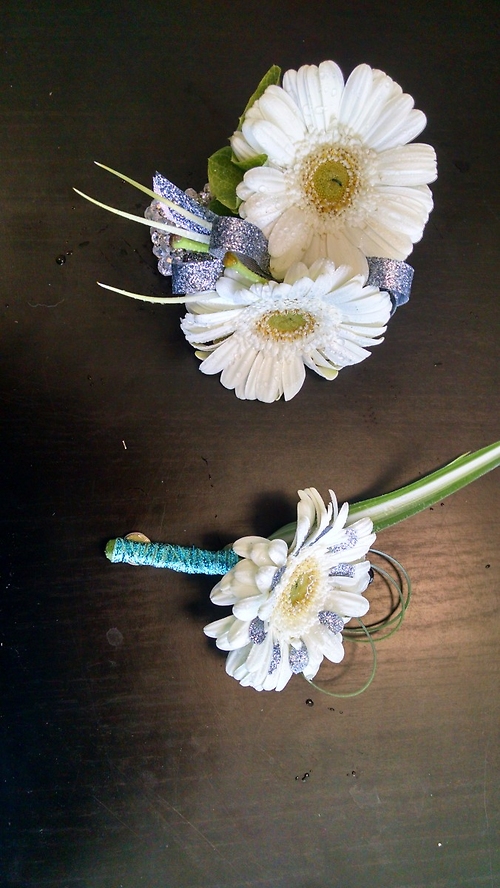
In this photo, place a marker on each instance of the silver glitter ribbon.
(195, 276)
(227, 233)
(393, 276)
(165, 188)
(244, 238)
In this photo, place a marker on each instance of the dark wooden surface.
(142, 763)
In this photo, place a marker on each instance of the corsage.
(293, 255)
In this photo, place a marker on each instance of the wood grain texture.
(129, 758)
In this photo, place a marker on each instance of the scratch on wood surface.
(195, 829)
(113, 814)
(45, 304)
(485, 805)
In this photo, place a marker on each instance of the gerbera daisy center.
(330, 178)
(297, 600)
(286, 325)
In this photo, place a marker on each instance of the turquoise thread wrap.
(183, 559)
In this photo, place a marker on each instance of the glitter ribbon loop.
(391, 275)
(165, 188)
(243, 238)
(183, 559)
(196, 276)
(226, 233)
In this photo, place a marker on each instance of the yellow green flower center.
(285, 326)
(300, 588)
(330, 178)
(295, 603)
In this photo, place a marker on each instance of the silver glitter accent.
(165, 188)
(231, 233)
(348, 543)
(332, 620)
(393, 276)
(277, 577)
(193, 277)
(298, 659)
(256, 632)
(342, 569)
(275, 659)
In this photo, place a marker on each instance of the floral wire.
(394, 620)
(367, 683)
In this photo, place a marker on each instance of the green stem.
(232, 261)
(391, 508)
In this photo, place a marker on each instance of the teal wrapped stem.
(184, 559)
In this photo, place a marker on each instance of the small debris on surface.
(309, 702)
(114, 637)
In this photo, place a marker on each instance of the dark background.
(140, 762)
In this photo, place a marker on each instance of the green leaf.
(224, 177)
(251, 162)
(219, 209)
(225, 174)
(271, 77)
(393, 507)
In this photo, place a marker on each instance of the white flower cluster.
(340, 183)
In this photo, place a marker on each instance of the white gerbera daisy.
(261, 336)
(340, 180)
(290, 605)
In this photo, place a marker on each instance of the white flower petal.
(349, 604)
(248, 546)
(293, 376)
(329, 643)
(241, 148)
(317, 92)
(398, 123)
(276, 108)
(248, 608)
(289, 232)
(244, 572)
(407, 165)
(236, 659)
(218, 627)
(263, 180)
(271, 141)
(357, 93)
(258, 661)
(225, 353)
(234, 374)
(278, 552)
(264, 577)
(237, 634)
